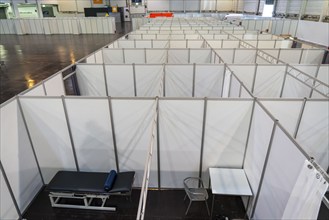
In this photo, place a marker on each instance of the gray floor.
(30, 59)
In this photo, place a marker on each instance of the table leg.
(246, 214)
(212, 205)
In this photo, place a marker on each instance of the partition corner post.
(193, 80)
(316, 77)
(105, 80)
(145, 59)
(249, 129)
(264, 168)
(278, 58)
(44, 87)
(189, 55)
(203, 134)
(158, 146)
(123, 55)
(300, 117)
(284, 80)
(301, 55)
(70, 133)
(30, 139)
(164, 80)
(4, 175)
(113, 133)
(134, 79)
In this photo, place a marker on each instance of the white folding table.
(227, 181)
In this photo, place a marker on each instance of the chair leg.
(207, 207)
(185, 197)
(188, 207)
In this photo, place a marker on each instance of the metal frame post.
(284, 80)
(158, 147)
(113, 134)
(193, 80)
(249, 129)
(254, 79)
(203, 134)
(105, 80)
(134, 79)
(300, 117)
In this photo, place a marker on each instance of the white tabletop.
(227, 181)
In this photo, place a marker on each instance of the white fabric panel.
(245, 73)
(269, 80)
(163, 37)
(55, 86)
(158, 5)
(313, 133)
(120, 80)
(208, 80)
(155, 56)
(177, 36)
(48, 128)
(194, 44)
(290, 56)
(309, 69)
(143, 44)
(234, 91)
(280, 177)
(224, 5)
(294, 88)
(36, 91)
(286, 112)
(7, 206)
(113, 56)
(283, 44)
(226, 55)
(251, 42)
(133, 121)
(192, 5)
(312, 56)
(149, 36)
(134, 55)
(91, 131)
(177, 5)
(126, 44)
(17, 157)
(91, 59)
(226, 132)
(208, 5)
(273, 52)
(306, 197)
(231, 44)
(215, 43)
(178, 56)
(99, 57)
(179, 80)
(266, 44)
(177, 44)
(148, 79)
(180, 140)
(316, 32)
(200, 56)
(323, 74)
(259, 139)
(91, 79)
(244, 56)
(160, 44)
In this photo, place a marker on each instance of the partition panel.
(120, 80)
(7, 207)
(311, 56)
(269, 80)
(144, 44)
(126, 44)
(179, 80)
(226, 132)
(134, 56)
(180, 140)
(200, 56)
(133, 127)
(148, 80)
(209, 80)
(99, 57)
(290, 56)
(244, 56)
(35, 91)
(284, 164)
(309, 69)
(286, 111)
(92, 134)
(55, 86)
(155, 56)
(313, 133)
(113, 56)
(49, 132)
(226, 55)
(178, 56)
(259, 139)
(294, 88)
(17, 156)
(323, 75)
(177, 44)
(91, 79)
(195, 44)
(245, 73)
(159, 44)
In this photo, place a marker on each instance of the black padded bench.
(88, 186)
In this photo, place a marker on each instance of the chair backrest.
(194, 188)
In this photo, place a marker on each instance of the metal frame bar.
(203, 134)
(284, 81)
(193, 81)
(70, 133)
(301, 112)
(249, 129)
(113, 133)
(105, 80)
(134, 79)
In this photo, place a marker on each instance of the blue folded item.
(110, 180)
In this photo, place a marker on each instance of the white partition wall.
(148, 80)
(55, 86)
(209, 80)
(49, 132)
(7, 207)
(120, 80)
(18, 161)
(90, 124)
(226, 129)
(178, 80)
(132, 122)
(91, 79)
(313, 132)
(180, 140)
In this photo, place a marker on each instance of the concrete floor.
(30, 59)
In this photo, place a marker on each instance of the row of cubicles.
(198, 101)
